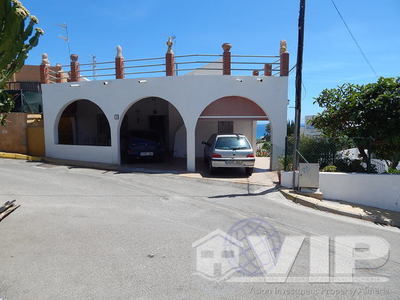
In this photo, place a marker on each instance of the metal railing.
(24, 86)
(174, 65)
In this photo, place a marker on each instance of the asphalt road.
(91, 234)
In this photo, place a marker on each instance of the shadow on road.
(264, 192)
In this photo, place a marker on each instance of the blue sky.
(253, 27)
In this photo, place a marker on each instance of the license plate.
(233, 162)
(146, 153)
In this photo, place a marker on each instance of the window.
(225, 127)
(227, 254)
(207, 254)
(232, 143)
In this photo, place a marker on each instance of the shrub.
(321, 150)
(329, 169)
(289, 163)
(393, 171)
(261, 153)
(267, 146)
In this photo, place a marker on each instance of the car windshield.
(232, 143)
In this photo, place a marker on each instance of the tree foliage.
(369, 114)
(18, 36)
(290, 128)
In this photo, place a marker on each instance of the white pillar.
(115, 139)
(278, 142)
(191, 148)
(254, 135)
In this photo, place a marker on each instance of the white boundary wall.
(189, 94)
(377, 190)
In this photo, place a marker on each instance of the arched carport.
(190, 95)
(152, 118)
(82, 122)
(229, 114)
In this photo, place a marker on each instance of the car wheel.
(249, 171)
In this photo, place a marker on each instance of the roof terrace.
(169, 65)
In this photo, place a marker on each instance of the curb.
(118, 168)
(104, 166)
(19, 156)
(354, 212)
(81, 164)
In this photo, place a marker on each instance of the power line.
(354, 39)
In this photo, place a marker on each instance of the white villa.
(86, 119)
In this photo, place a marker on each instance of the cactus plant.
(18, 35)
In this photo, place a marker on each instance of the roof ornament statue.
(227, 47)
(170, 43)
(283, 48)
(74, 57)
(119, 51)
(45, 59)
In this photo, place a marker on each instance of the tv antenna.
(94, 66)
(65, 37)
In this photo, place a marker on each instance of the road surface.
(92, 234)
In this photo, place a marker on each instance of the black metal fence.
(24, 86)
(334, 154)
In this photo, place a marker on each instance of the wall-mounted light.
(239, 79)
(259, 79)
(105, 82)
(74, 85)
(142, 81)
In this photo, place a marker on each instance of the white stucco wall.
(377, 190)
(189, 94)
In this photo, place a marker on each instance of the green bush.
(267, 146)
(289, 163)
(393, 171)
(322, 150)
(329, 169)
(262, 153)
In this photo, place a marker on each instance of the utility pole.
(299, 69)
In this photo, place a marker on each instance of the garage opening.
(153, 131)
(228, 115)
(84, 123)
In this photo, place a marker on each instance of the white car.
(229, 151)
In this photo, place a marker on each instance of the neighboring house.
(217, 255)
(89, 120)
(25, 87)
(308, 129)
(24, 130)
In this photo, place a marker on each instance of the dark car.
(145, 145)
